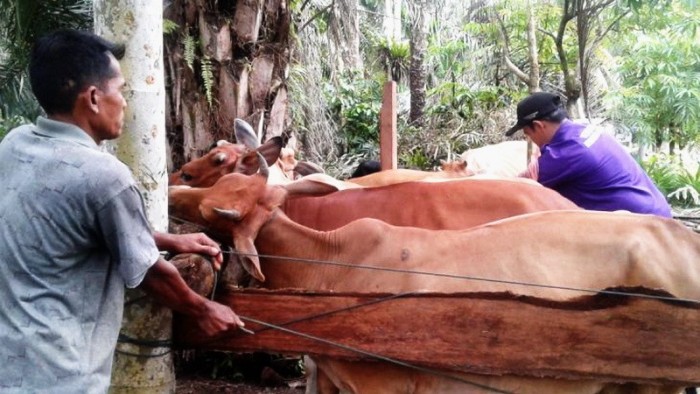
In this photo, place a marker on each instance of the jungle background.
(314, 70)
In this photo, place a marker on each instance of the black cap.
(535, 106)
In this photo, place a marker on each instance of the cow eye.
(186, 177)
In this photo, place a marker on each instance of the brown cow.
(576, 249)
(454, 204)
(390, 177)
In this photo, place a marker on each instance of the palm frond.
(22, 22)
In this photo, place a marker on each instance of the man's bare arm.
(164, 283)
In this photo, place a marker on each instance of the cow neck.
(281, 236)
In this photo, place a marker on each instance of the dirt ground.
(221, 372)
(197, 385)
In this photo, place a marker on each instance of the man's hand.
(165, 284)
(217, 319)
(532, 172)
(190, 243)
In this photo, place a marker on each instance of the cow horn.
(230, 214)
(220, 158)
(264, 168)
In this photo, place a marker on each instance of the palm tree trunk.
(138, 23)
(238, 70)
(417, 72)
(391, 24)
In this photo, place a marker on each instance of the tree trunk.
(417, 72)
(533, 58)
(138, 24)
(532, 79)
(238, 70)
(534, 75)
(392, 20)
(572, 85)
(344, 27)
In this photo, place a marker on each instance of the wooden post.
(387, 128)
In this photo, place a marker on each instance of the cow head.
(236, 204)
(457, 167)
(226, 158)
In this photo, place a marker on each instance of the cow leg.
(317, 382)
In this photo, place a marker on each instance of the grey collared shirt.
(73, 233)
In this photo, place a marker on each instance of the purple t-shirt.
(588, 166)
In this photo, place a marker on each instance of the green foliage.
(676, 182)
(21, 23)
(465, 102)
(169, 26)
(191, 55)
(208, 79)
(548, 15)
(355, 104)
(660, 96)
(395, 57)
(7, 124)
(416, 157)
(190, 48)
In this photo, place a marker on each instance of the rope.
(156, 343)
(474, 278)
(165, 353)
(372, 355)
(150, 343)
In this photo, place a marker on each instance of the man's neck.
(70, 119)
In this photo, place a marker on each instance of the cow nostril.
(185, 177)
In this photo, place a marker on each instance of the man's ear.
(536, 125)
(90, 98)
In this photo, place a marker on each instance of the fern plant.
(208, 79)
(190, 47)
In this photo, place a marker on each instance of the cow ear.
(318, 185)
(247, 164)
(305, 168)
(271, 150)
(248, 256)
(245, 134)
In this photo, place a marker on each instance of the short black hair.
(65, 62)
(366, 168)
(557, 116)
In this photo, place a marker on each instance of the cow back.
(456, 204)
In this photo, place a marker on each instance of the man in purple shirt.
(583, 162)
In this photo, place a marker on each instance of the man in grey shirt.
(73, 232)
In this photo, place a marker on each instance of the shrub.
(680, 186)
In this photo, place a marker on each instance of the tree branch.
(506, 53)
(319, 13)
